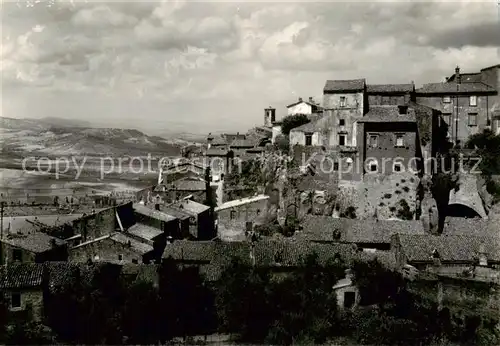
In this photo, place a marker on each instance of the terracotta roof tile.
(462, 248)
(155, 214)
(454, 88)
(388, 114)
(390, 88)
(344, 85)
(32, 241)
(459, 225)
(21, 275)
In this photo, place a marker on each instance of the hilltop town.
(396, 177)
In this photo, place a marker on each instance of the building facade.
(465, 104)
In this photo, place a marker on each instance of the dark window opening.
(342, 101)
(17, 255)
(232, 215)
(15, 301)
(135, 261)
(308, 139)
(397, 167)
(341, 122)
(120, 257)
(373, 167)
(335, 166)
(258, 211)
(342, 140)
(403, 109)
(349, 299)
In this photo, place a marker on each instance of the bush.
(292, 121)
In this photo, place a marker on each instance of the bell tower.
(269, 116)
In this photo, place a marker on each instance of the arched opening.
(461, 210)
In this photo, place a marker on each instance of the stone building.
(465, 104)
(202, 225)
(238, 216)
(345, 102)
(390, 94)
(32, 247)
(21, 285)
(348, 295)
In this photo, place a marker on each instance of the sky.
(199, 67)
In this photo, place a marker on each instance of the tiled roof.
(242, 143)
(239, 202)
(345, 85)
(454, 88)
(62, 273)
(467, 77)
(306, 102)
(321, 228)
(219, 141)
(33, 241)
(175, 212)
(188, 185)
(191, 207)
(321, 124)
(461, 248)
(197, 251)
(21, 275)
(144, 231)
(388, 114)
(390, 88)
(459, 225)
(155, 214)
(134, 244)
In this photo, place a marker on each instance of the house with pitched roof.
(309, 107)
(21, 285)
(456, 255)
(390, 94)
(467, 104)
(202, 223)
(31, 246)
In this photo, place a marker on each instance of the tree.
(282, 143)
(292, 121)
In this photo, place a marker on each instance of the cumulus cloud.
(244, 56)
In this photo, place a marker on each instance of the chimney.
(311, 99)
(458, 78)
(300, 99)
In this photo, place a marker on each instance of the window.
(258, 211)
(446, 99)
(17, 255)
(472, 119)
(342, 101)
(232, 214)
(372, 166)
(397, 167)
(308, 139)
(473, 101)
(120, 257)
(373, 141)
(342, 122)
(15, 300)
(349, 299)
(135, 261)
(446, 118)
(335, 166)
(341, 139)
(399, 141)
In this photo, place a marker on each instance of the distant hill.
(69, 138)
(54, 121)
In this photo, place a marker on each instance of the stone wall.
(96, 225)
(31, 303)
(107, 250)
(241, 215)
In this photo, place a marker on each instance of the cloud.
(226, 61)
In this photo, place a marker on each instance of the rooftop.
(388, 114)
(188, 185)
(242, 201)
(191, 207)
(21, 223)
(322, 228)
(390, 88)
(155, 214)
(242, 143)
(459, 248)
(344, 85)
(144, 231)
(312, 104)
(135, 245)
(454, 88)
(467, 77)
(33, 241)
(217, 152)
(321, 124)
(175, 212)
(460, 225)
(21, 275)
